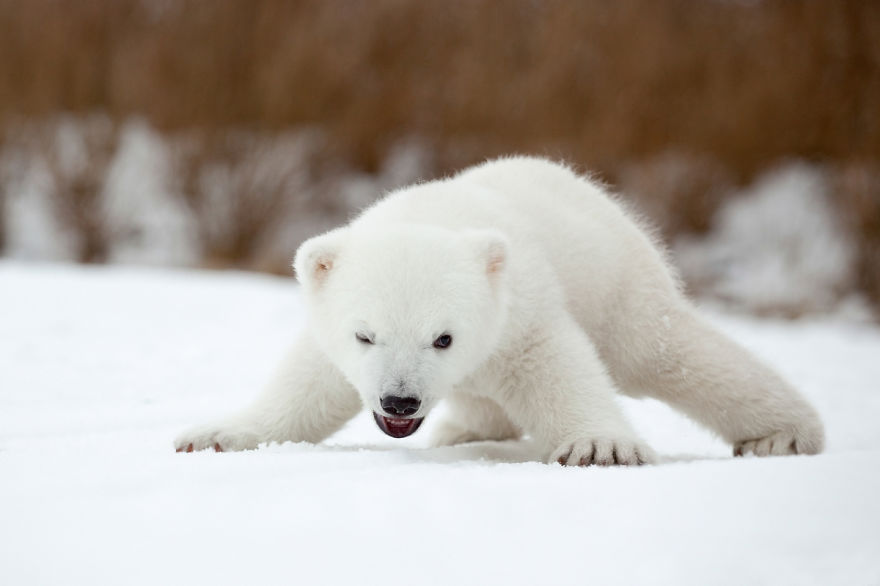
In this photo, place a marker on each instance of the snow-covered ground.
(101, 367)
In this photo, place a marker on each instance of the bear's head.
(405, 312)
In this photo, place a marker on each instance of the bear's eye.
(363, 338)
(443, 341)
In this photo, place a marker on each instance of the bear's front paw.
(781, 443)
(218, 438)
(603, 452)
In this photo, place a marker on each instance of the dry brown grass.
(597, 82)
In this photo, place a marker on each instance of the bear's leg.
(721, 385)
(473, 419)
(558, 390)
(307, 401)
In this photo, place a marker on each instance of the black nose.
(394, 405)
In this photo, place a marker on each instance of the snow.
(101, 367)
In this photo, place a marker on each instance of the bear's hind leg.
(718, 383)
(473, 419)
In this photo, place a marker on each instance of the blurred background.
(222, 133)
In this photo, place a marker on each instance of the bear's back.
(555, 220)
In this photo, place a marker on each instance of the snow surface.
(101, 367)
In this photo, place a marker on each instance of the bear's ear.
(492, 249)
(316, 256)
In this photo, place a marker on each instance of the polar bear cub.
(526, 298)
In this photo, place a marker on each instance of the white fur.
(556, 300)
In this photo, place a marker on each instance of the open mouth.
(397, 426)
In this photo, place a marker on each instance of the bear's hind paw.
(781, 443)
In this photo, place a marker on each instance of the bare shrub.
(74, 154)
(240, 187)
(145, 221)
(31, 227)
(78, 161)
(338, 191)
(778, 247)
(678, 191)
